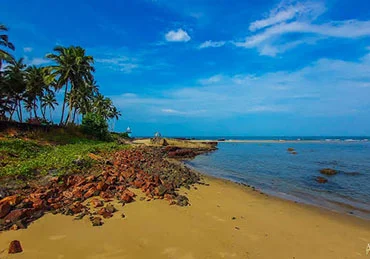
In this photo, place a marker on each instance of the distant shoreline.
(277, 141)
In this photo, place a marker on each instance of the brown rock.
(12, 200)
(110, 208)
(14, 227)
(68, 194)
(15, 247)
(4, 209)
(168, 197)
(38, 204)
(97, 221)
(90, 192)
(18, 214)
(139, 183)
(97, 203)
(328, 171)
(102, 186)
(126, 198)
(321, 179)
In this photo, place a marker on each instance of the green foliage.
(34, 87)
(95, 125)
(123, 135)
(19, 157)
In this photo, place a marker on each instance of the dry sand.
(264, 227)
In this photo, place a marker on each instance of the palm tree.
(62, 70)
(4, 42)
(49, 100)
(14, 86)
(82, 75)
(36, 86)
(74, 67)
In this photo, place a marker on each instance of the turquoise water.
(272, 169)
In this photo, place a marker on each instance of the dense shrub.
(95, 125)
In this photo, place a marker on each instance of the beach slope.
(225, 220)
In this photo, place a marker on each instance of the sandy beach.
(225, 220)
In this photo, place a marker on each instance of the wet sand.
(263, 227)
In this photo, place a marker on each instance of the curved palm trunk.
(34, 109)
(51, 117)
(20, 111)
(64, 103)
(43, 110)
(74, 116)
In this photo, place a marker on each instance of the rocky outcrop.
(143, 168)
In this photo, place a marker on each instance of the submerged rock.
(321, 179)
(328, 171)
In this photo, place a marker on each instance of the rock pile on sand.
(141, 168)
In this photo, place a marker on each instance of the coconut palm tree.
(4, 42)
(36, 86)
(72, 67)
(14, 86)
(49, 101)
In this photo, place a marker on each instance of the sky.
(214, 67)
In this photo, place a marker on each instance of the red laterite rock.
(15, 247)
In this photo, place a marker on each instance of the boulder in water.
(328, 171)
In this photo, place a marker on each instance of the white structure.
(128, 131)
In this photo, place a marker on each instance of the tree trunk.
(64, 103)
(69, 117)
(51, 117)
(20, 111)
(43, 113)
(34, 108)
(11, 112)
(43, 110)
(74, 116)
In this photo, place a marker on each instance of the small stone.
(233, 218)
(123, 215)
(14, 227)
(321, 179)
(97, 203)
(96, 221)
(110, 208)
(15, 247)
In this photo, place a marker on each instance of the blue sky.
(227, 67)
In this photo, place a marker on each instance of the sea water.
(269, 167)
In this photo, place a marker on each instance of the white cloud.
(211, 80)
(298, 18)
(27, 49)
(170, 111)
(212, 44)
(286, 11)
(326, 88)
(120, 63)
(36, 61)
(177, 36)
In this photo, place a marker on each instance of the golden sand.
(263, 227)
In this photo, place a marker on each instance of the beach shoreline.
(224, 220)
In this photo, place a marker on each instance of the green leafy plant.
(95, 125)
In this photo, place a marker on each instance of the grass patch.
(27, 158)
